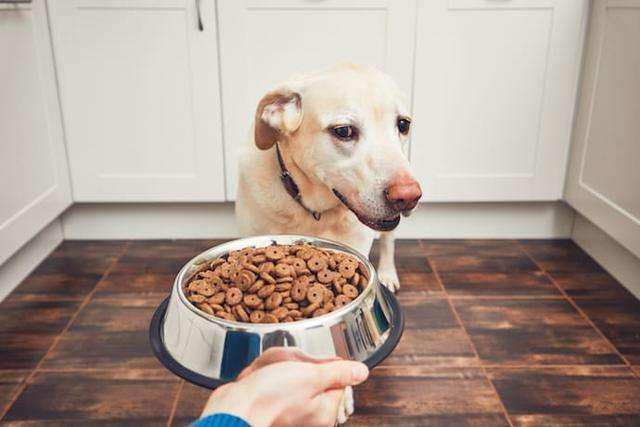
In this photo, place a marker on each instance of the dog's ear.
(279, 114)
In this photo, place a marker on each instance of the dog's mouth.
(381, 224)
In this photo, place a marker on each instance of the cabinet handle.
(199, 14)
(14, 1)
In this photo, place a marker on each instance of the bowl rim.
(265, 240)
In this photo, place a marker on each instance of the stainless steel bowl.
(209, 351)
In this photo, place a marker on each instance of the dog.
(327, 160)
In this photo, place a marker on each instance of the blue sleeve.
(220, 420)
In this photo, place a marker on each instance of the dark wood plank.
(136, 283)
(619, 321)
(110, 333)
(28, 325)
(426, 396)
(572, 395)
(9, 383)
(590, 285)
(432, 336)
(97, 397)
(520, 284)
(557, 256)
(478, 256)
(190, 404)
(545, 331)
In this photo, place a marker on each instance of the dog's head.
(346, 128)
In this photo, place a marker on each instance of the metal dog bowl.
(210, 351)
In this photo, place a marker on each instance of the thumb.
(338, 374)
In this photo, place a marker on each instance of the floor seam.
(84, 302)
(578, 309)
(471, 344)
(174, 406)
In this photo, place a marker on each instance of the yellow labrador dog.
(327, 160)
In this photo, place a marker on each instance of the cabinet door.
(140, 96)
(604, 172)
(263, 42)
(494, 97)
(34, 185)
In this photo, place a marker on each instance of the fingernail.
(360, 372)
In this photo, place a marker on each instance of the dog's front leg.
(386, 265)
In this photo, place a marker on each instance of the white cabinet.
(604, 172)
(140, 96)
(494, 94)
(263, 42)
(34, 186)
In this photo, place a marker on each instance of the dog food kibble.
(278, 283)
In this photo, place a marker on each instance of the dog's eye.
(345, 133)
(403, 125)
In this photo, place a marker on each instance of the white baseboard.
(20, 264)
(216, 220)
(617, 260)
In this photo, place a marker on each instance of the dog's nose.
(403, 193)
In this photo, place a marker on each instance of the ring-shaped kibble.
(305, 254)
(283, 270)
(256, 286)
(319, 312)
(347, 269)
(349, 291)
(266, 267)
(342, 300)
(317, 263)
(315, 294)
(270, 318)
(256, 316)
(225, 315)
(355, 279)
(233, 296)
(224, 270)
(325, 276)
(217, 298)
(206, 290)
(196, 298)
(252, 301)
(241, 313)
(328, 295)
(284, 286)
(280, 312)
(246, 279)
(267, 277)
(274, 252)
(266, 291)
(299, 290)
(206, 308)
(310, 309)
(299, 264)
(274, 300)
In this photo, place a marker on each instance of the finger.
(281, 354)
(338, 374)
(322, 410)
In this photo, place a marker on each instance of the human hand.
(285, 387)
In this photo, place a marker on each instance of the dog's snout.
(403, 193)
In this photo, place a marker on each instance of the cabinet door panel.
(494, 94)
(264, 42)
(34, 186)
(140, 95)
(604, 177)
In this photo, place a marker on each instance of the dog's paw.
(346, 407)
(389, 277)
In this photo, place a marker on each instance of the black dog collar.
(291, 186)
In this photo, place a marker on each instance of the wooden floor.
(498, 332)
